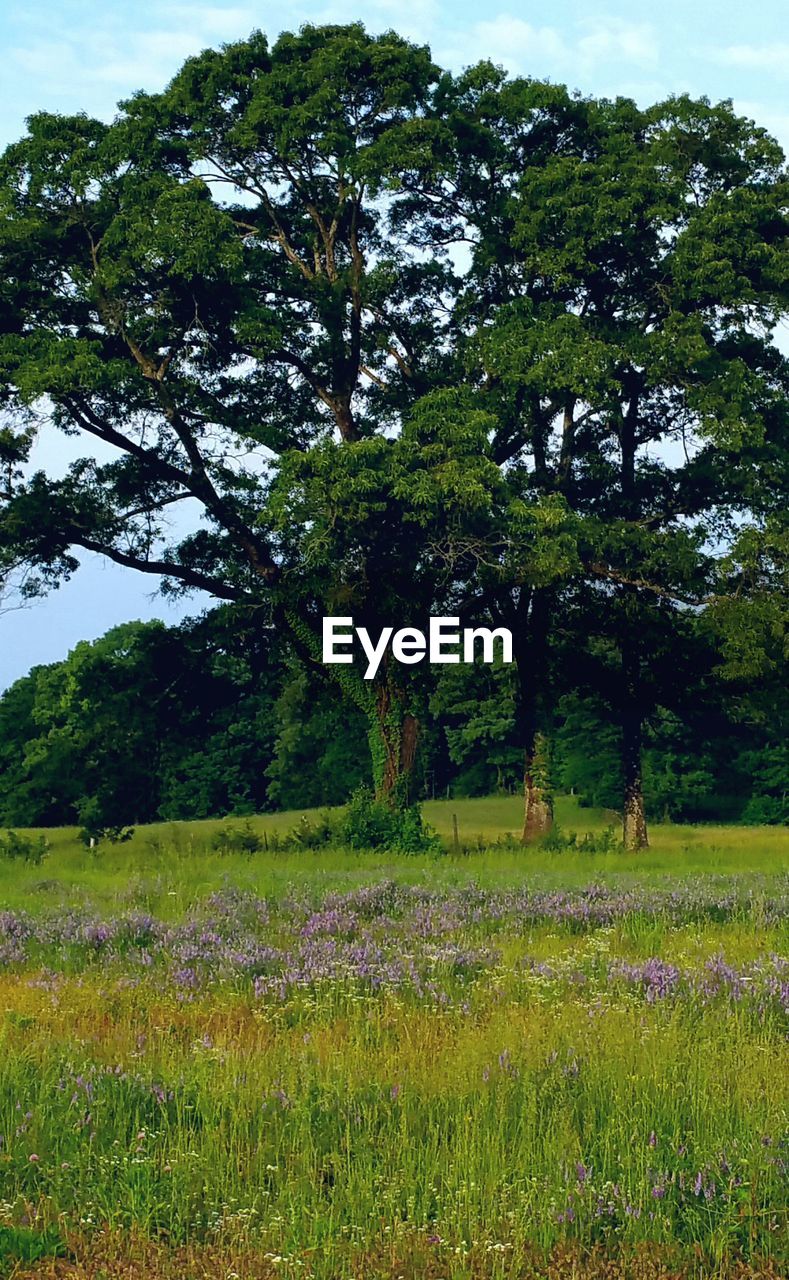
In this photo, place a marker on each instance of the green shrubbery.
(24, 848)
(315, 833)
(364, 824)
(237, 839)
(372, 824)
(95, 828)
(252, 737)
(558, 841)
(771, 811)
(26, 1245)
(309, 833)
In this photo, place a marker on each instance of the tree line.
(216, 717)
(401, 342)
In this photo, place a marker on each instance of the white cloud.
(608, 39)
(416, 20)
(516, 44)
(524, 48)
(70, 73)
(211, 21)
(147, 60)
(755, 57)
(118, 58)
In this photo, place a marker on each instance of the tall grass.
(546, 1081)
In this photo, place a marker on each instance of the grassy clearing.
(345, 1066)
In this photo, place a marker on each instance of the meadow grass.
(168, 865)
(343, 1065)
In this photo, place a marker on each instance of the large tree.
(202, 289)
(628, 271)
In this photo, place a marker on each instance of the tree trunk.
(530, 651)
(538, 816)
(634, 823)
(394, 736)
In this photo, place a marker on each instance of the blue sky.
(85, 56)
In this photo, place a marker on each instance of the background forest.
(214, 717)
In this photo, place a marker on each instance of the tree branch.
(162, 568)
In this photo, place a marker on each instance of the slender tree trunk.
(634, 823)
(538, 814)
(531, 658)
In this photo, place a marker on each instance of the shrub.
(237, 839)
(372, 824)
(767, 811)
(592, 842)
(24, 1245)
(23, 848)
(95, 828)
(318, 833)
(368, 824)
(114, 835)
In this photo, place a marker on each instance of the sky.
(78, 56)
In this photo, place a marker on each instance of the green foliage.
(237, 839)
(369, 823)
(373, 824)
(677, 784)
(311, 832)
(279, 736)
(90, 812)
(32, 849)
(321, 832)
(320, 751)
(142, 723)
(26, 1245)
(476, 707)
(92, 836)
(558, 841)
(588, 753)
(769, 771)
(767, 810)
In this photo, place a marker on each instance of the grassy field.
(177, 863)
(343, 1065)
